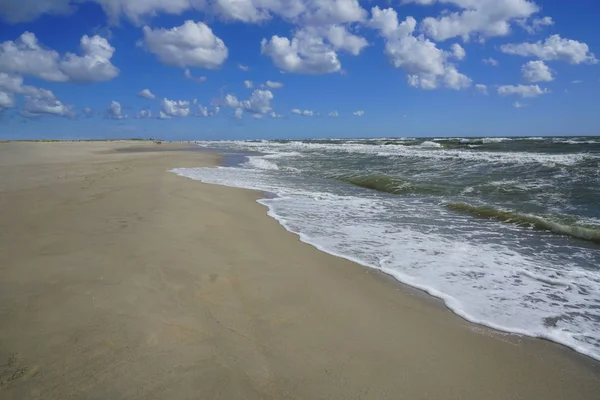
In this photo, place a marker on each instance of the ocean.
(506, 231)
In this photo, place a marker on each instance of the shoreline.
(123, 280)
(445, 300)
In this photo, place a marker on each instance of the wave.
(388, 184)
(260, 163)
(529, 221)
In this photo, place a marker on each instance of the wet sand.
(121, 280)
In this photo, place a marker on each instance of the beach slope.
(121, 280)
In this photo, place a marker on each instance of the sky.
(264, 69)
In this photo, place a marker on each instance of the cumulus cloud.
(248, 84)
(175, 108)
(273, 114)
(203, 111)
(192, 44)
(94, 65)
(426, 65)
(553, 48)
(536, 24)
(333, 114)
(312, 50)
(243, 67)
(7, 100)
(358, 113)
(481, 18)
(188, 74)
(526, 91)
(88, 112)
(231, 101)
(274, 85)
(37, 102)
(25, 56)
(239, 113)
(481, 88)
(341, 39)
(144, 114)
(517, 104)
(257, 116)
(304, 113)
(146, 94)
(458, 51)
(301, 12)
(162, 115)
(44, 102)
(491, 61)
(258, 103)
(15, 11)
(115, 111)
(536, 71)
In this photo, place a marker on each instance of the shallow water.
(504, 230)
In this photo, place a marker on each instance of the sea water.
(506, 231)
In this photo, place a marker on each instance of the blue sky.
(318, 68)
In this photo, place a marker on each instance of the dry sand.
(120, 280)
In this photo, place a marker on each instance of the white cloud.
(341, 39)
(44, 102)
(144, 114)
(427, 66)
(536, 71)
(162, 115)
(257, 116)
(481, 88)
(258, 103)
(25, 56)
(536, 25)
(37, 101)
(94, 65)
(517, 104)
(243, 67)
(231, 101)
(204, 112)
(333, 114)
(10, 83)
(312, 50)
(458, 51)
(526, 91)
(188, 74)
(304, 113)
(239, 113)
(358, 113)
(273, 114)
(135, 10)
(553, 48)
(192, 44)
(175, 108)
(313, 12)
(115, 111)
(147, 94)
(481, 18)
(274, 85)
(577, 81)
(87, 112)
(301, 55)
(7, 100)
(491, 61)
(248, 84)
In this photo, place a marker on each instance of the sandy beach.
(121, 280)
